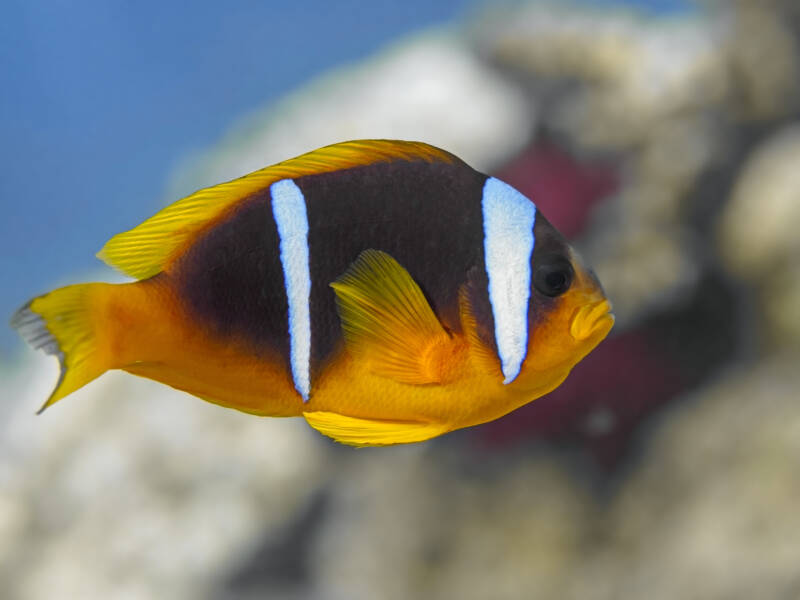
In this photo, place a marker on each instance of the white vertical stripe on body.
(508, 219)
(289, 210)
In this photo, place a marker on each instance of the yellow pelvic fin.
(62, 323)
(388, 322)
(367, 432)
(148, 248)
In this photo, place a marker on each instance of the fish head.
(568, 315)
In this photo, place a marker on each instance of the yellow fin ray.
(484, 357)
(388, 322)
(62, 323)
(148, 248)
(368, 432)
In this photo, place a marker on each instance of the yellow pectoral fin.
(367, 432)
(484, 357)
(388, 322)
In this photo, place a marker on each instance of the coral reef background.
(668, 464)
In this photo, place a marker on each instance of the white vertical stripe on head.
(508, 219)
(289, 210)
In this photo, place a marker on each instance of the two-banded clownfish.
(383, 290)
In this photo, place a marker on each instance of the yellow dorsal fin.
(368, 432)
(388, 322)
(148, 248)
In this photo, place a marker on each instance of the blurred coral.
(708, 512)
(411, 91)
(758, 233)
(135, 491)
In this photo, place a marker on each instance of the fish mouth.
(591, 318)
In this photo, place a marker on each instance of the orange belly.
(160, 341)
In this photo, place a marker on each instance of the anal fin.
(368, 432)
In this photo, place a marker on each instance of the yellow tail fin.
(63, 323)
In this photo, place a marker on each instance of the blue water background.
(102, 99)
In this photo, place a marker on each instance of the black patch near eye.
(553, 275)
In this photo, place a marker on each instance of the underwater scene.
(661, 139)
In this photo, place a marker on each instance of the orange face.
(570, 315)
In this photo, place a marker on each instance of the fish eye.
(553, 275)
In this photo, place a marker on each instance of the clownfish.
(383, 290)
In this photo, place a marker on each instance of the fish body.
(383, 290)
